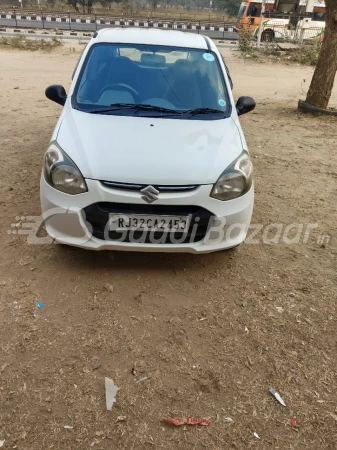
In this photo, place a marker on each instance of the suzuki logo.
(150, 194)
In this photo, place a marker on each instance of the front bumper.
(69, 219)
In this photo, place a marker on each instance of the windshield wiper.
(195, 111)
(136, 106)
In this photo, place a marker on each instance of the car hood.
(148, 150)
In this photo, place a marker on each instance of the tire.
(307, 108)
(268, 35)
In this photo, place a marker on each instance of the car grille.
(97, 216)
(138, 187)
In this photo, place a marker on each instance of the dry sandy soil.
(270, 309)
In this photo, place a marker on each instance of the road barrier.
(93, 22)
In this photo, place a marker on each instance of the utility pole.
(263, 9)
(306, 21)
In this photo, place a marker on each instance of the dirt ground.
(269, 310)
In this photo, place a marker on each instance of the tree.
(230, 6)
(324, 76)
(107, 3)
(154, 4)
(73, 3)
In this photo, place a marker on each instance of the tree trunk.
(323, 79)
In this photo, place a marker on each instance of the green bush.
(308, 53)
(246, 43)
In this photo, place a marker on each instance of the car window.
(168, 77)
(254, 10)
(318, 16)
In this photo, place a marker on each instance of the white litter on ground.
(110, 393)
(277, 396)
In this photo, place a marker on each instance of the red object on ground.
(186, 421)
(293, 422)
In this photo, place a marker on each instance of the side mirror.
(244, 105)
(57, 94)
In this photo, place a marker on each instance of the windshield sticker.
(222, 102)
(208, 56)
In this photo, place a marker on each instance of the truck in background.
(284, 19)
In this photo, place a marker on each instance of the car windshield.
(149, 80)
(242, 10)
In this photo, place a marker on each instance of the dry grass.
(23, 43)
(178, 13)
(306, 53)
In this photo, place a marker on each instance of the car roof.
(152, 36)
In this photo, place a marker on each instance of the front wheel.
(268, 35)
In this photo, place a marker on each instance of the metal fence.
(277, 32)
(91, 22)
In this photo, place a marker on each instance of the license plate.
(171, 224)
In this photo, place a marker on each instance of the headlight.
(236, 180)
(61, 172)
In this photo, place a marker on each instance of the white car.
(148, 153)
